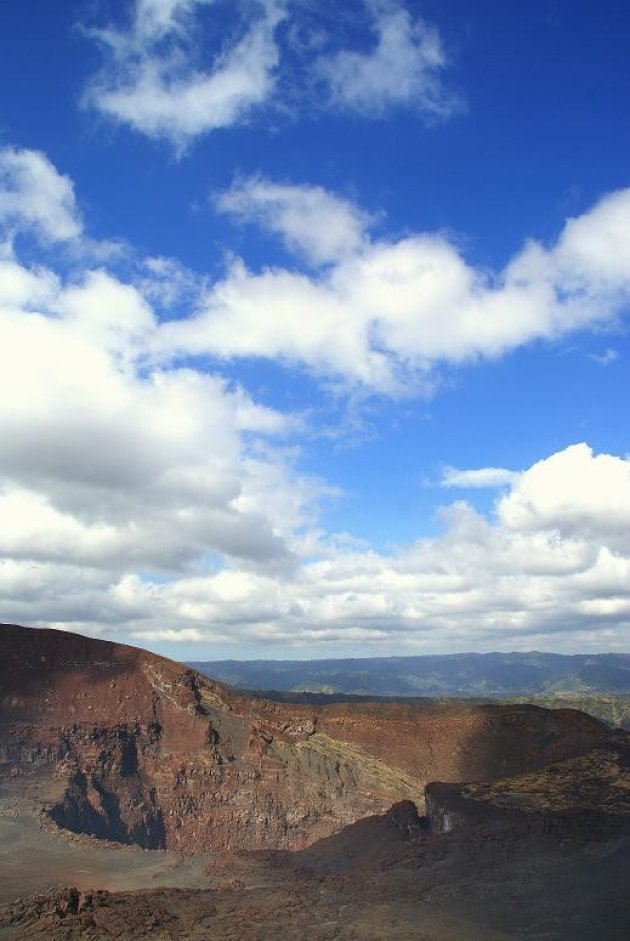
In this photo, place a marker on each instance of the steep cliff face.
(448, 810)
(107, 792)
(587, 795)
(152, 753)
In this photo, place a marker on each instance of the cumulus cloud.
(109, 461)
(404, 68)
(383, 313)
(104, 464)
(593, 248)
(487, 582)
(573, 491)
(158, 502)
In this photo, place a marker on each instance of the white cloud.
(499, 582)
(606, 358)
(383, 314)
(480, 477)
(167, 75)
(311, 221)
(168, 285)
(155, 18)
(403, 69)
(152, 83)
(34, 196)
(149, 501)
(105, 464)
(110, 462)
(595, 248)
(485, 583)
(573, 491)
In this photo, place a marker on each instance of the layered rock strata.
(152, 753)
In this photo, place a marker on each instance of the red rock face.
(153, 753)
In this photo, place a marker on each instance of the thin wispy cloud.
(481, 477)
(606, 358)
(316, 224)
(165, 75)
(404, 68)
(159, 79)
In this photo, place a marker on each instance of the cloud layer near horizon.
(160, 502)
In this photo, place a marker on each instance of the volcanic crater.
(131, 748)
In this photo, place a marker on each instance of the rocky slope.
(150, 752)
(383, 877)
(586, 796)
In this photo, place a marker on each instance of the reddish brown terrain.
(122, 745)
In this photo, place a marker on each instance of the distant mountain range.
(498, 675)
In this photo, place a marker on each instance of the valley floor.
(369, 886)
(35, 858)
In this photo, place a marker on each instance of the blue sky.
(314, 324)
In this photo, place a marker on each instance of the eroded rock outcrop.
(152, 753)
(587, 796)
